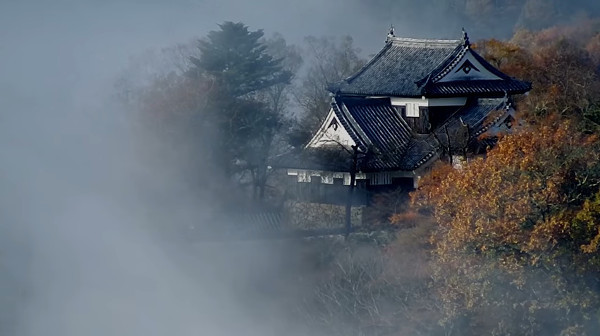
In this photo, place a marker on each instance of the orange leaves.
(519, 231)
(509, 57)
(561, 62)
(590, 139)
(502, 217)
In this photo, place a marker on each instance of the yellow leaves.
(592, 247)
(547, 233)
(586, 225)
(511, 210)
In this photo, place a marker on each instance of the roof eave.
(341, 93)
(495, 94)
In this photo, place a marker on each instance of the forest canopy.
(507, 244)
(515, 249)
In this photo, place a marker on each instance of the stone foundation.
(315, 216)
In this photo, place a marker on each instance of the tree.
(238, 60)
(569, 77)
(329, 61)
(246, 106)
(371, 286)
(561, 64)
(278, 99)
(593, 47)
(508, 57)
(145, 70)
(516, 244)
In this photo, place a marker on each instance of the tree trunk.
(262, 180)
(349, 200)
(449, 147)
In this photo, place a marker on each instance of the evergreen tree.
(245, 102)
(238, 60)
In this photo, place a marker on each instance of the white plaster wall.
(330, 136)
(427, 102)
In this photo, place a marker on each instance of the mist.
(88, 201)
(81, 202)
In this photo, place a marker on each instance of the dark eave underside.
(314, 159)
(480, 88)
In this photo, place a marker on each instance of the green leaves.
(247, 99)
(236, 57)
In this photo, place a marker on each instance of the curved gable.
(469, 74)
(468, 67)
(331, 134)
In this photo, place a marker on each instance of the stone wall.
(315, 216)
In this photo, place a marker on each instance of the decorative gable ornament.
(405, 108)
(466, 67)
(408, 67)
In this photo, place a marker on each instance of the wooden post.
(349, 200)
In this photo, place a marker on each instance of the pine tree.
(238, 60)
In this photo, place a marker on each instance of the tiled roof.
(444, 68)
(372, 124)
(350, 125)
(413, 68)
(395, 146)
(381, 128)
(479, 115)
(431, 87)
(420, 151)
(398, 66)
(398, 148)
(379, 122)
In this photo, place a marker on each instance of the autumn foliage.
(518, 232)
(562, 63)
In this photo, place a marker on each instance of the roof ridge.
(432, 42)
(393, 40)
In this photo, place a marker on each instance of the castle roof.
(378, 129)
(407, 67)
